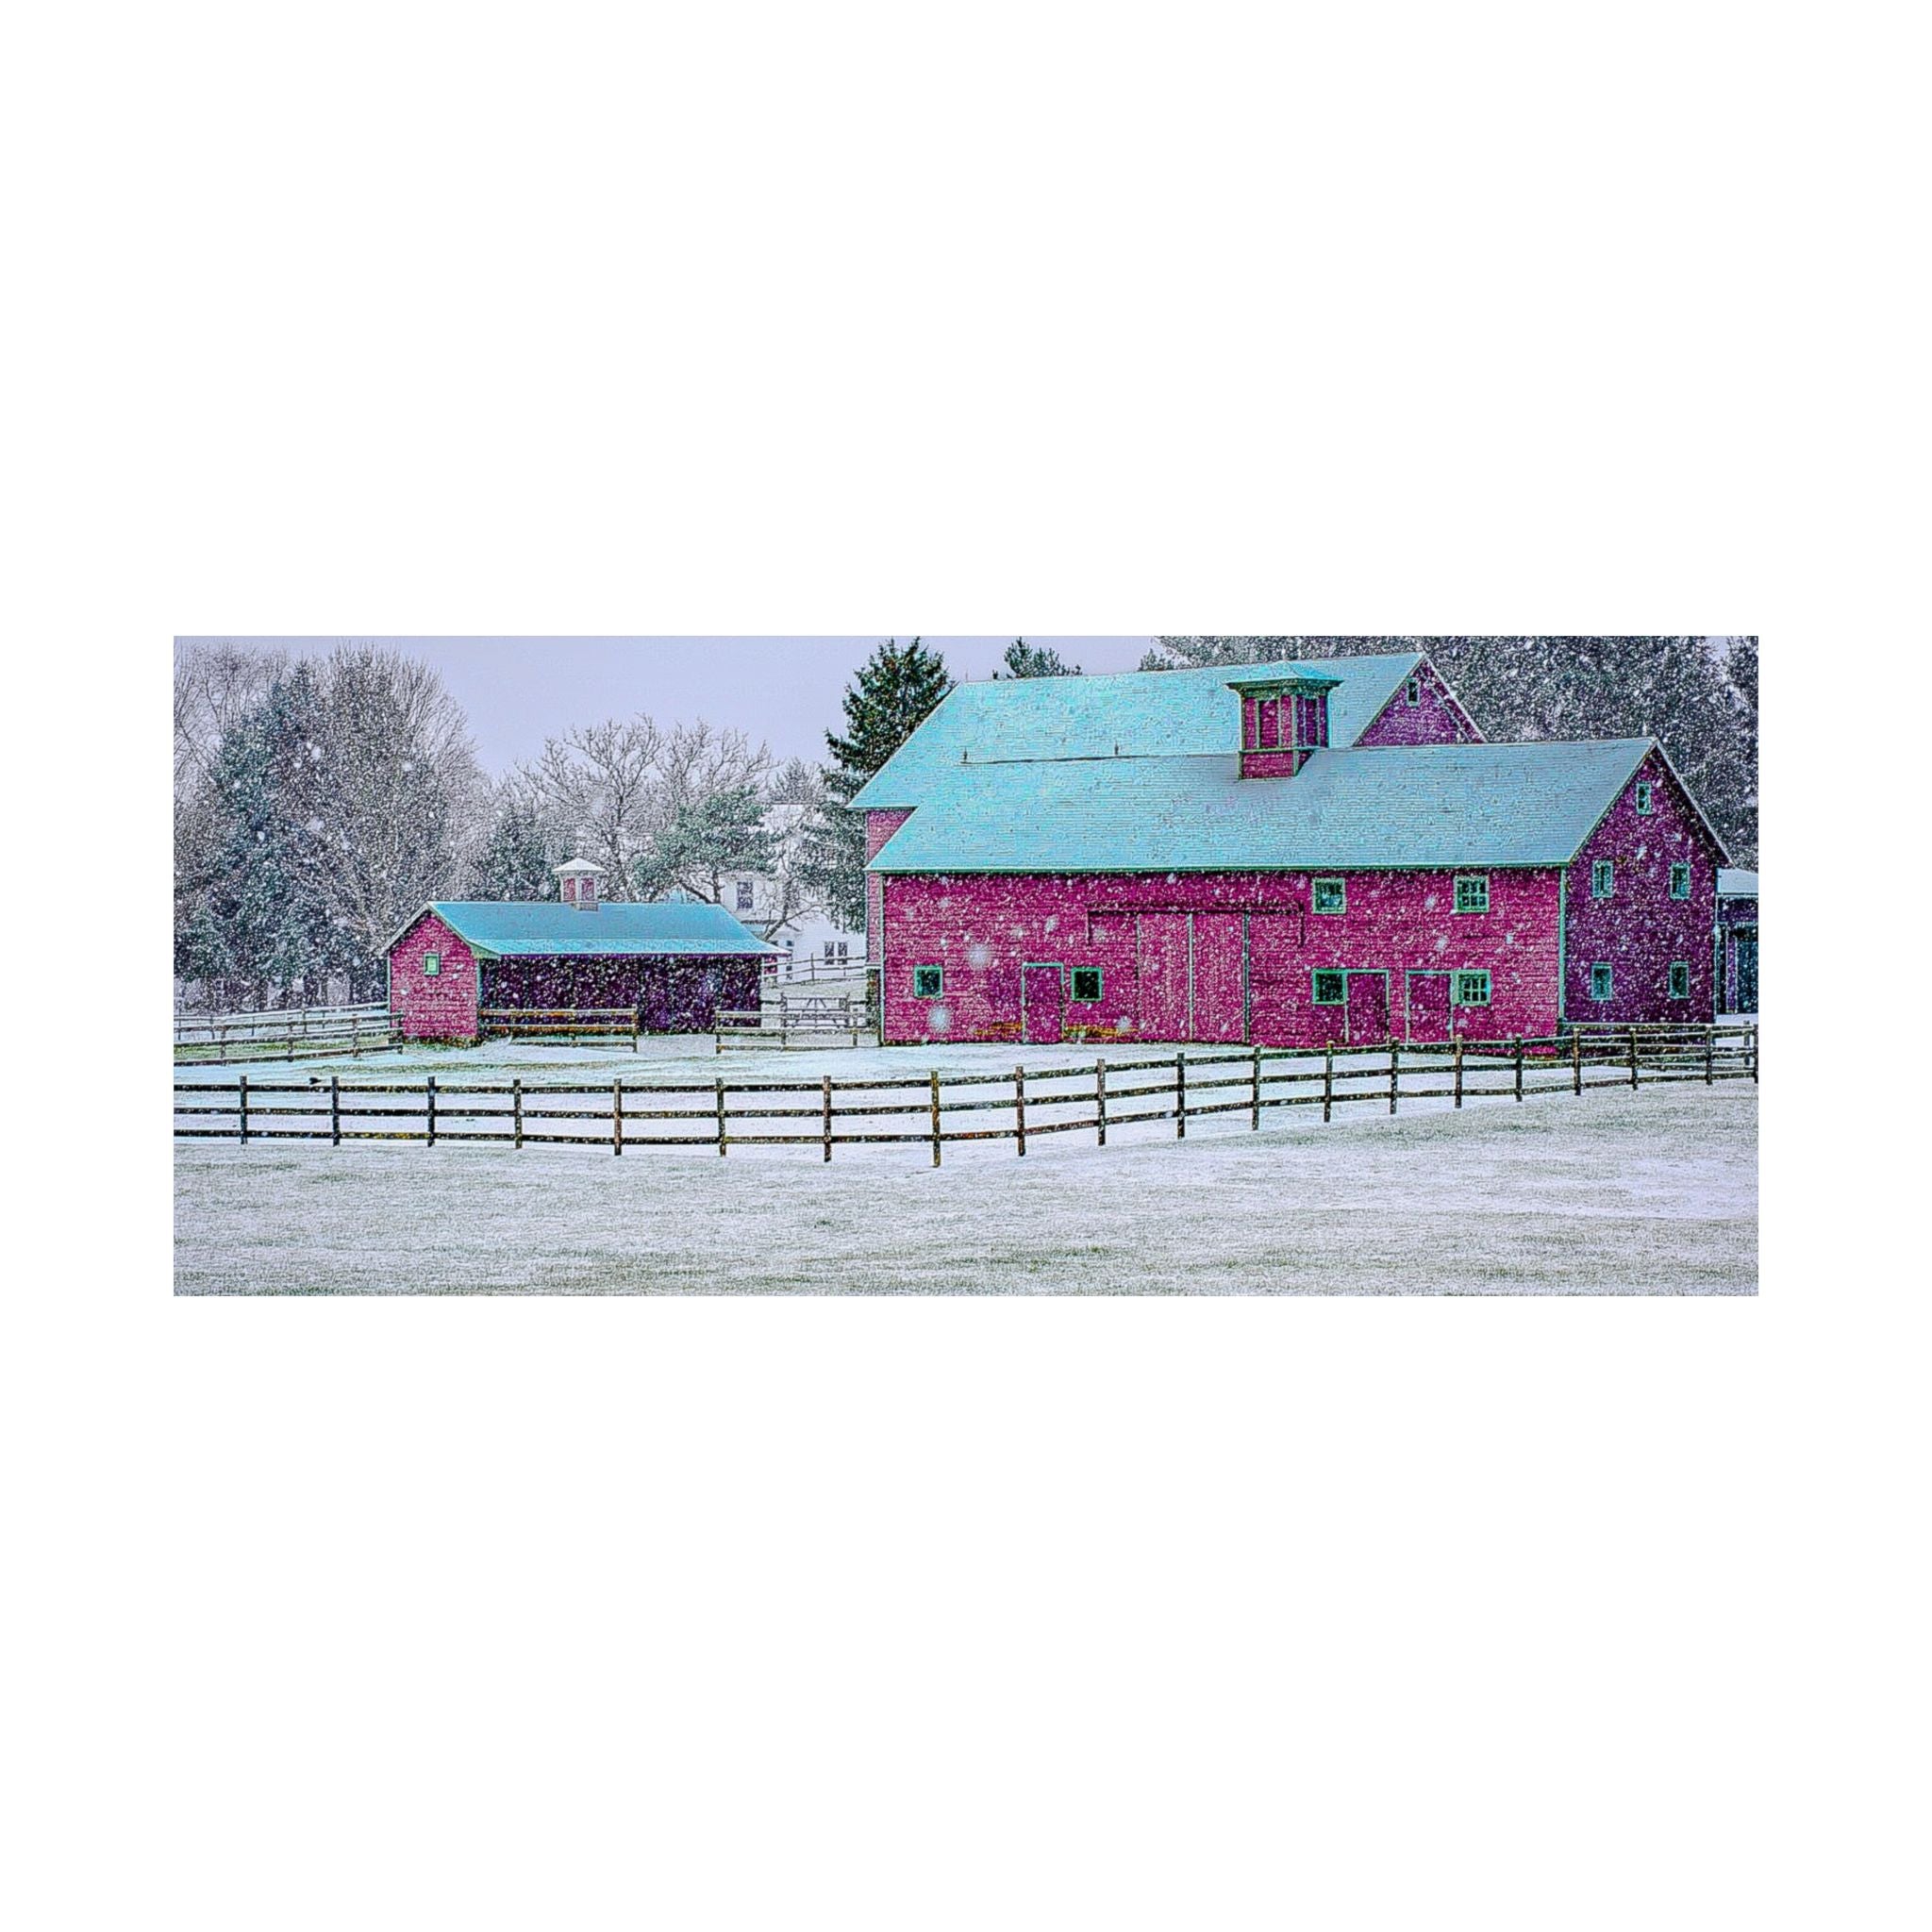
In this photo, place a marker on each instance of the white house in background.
(758, 898)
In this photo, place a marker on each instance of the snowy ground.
(1652, 1191)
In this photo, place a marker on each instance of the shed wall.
(438, 1007)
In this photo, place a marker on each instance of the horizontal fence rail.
(935, 1111)
(570, 1023)
(291, 1034)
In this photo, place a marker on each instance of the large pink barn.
(1294, 853)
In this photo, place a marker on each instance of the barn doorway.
(1367, 1008)
(1043, 1003)
(1192, 974)
(1747, 971)
(1429, 1007)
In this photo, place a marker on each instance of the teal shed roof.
(1736, 885)
(1143, 713)
(1434, 805)
(549, 928)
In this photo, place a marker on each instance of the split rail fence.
(931, 1110)
(293, 1033)
(569, 1025)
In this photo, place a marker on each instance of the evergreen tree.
(1035, 660)
(705, 840)
(516, 862)
(266, 910)
(894, 690)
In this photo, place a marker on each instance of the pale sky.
(786, 691)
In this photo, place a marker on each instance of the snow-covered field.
(1652, 1191)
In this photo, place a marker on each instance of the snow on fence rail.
(827, 1112)
(292, 1034)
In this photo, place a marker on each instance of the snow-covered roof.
(547, 928)
(577, 865)
(1431, 805)
(1139, 714)
(1736, 885)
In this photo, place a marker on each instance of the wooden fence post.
(634, 1029)
(934, 1116)
(1519, 1066)
(1710, 1058)
(1753, 1050)
(1394, 1074)
(721, 1120)
(1255, 1101)
(244, 1110)
(1633, 1056)
(827, 1116)
(1100, 1098)
(1180, 1096)
(335, 1110)
(1328, 1082)
(516, 1108)
(1576, 1062)
(429, 1089)
(1019, 1108)
(617, 1117)
(1458, 1071)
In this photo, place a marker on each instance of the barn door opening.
(1429, 1007)
(1042, 1003)
(1368, 1008)
(1747, 972)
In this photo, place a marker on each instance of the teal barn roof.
(1413, 805)
(1142, 713)
(547, 928)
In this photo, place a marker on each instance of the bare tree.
(598, 786)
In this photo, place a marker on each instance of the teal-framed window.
(1469, 990)
(928, 982)
(1680, 880)
(1414, 691)
(1646, 793)
(1330, 895)
(1086, 983)
(1330, 988)
(432, 965)
(1602, 982)
(1472, 892)
(1603, 879)
(1680, 979)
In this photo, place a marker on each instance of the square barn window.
(1331, 988)
(432, 965)
(1331, 895)
(1680, 881)
(1603, 879)
(1643, 797)
(928, 982)
(1599, 982)
(1086, 982)
(1471, 989)
(1472, 892)
(1680, 979)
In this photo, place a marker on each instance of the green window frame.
(1472, 892)
(1470, 989)
(1087, 981)
(432, 965)
(1603, 982)
(1645, 793)
(928, 982)
(1330, 987)
(1328, 895)
(1680, 880)
(1603, 879)
(1680, 979)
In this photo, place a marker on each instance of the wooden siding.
(1639, 930)
(441, 1007)
(1436, 719)
(1218, 957)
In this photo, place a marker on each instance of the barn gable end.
(434, 1004)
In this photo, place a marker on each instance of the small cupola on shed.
(1284, 719)
(578, 879)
